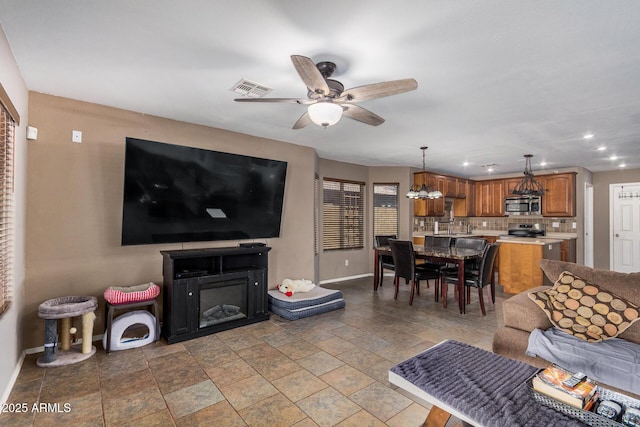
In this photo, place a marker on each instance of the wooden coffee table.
(476, 386)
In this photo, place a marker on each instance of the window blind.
(385, 209)
(342, 214)
(7, 135)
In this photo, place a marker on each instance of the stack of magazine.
(573, 389)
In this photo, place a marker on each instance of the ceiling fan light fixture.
(325, 113)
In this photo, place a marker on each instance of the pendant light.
(424, 192)
(528, 186)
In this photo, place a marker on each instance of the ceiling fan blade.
(286, 100)
(303, 121)
(378, 90)
(363, 115)
(310, 74)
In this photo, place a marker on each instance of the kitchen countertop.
(530, 241)
(497, 233)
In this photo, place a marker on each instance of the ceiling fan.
(327, 98)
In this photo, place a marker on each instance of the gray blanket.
(487, 387)
(615, 362)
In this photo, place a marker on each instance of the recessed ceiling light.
(622, 165)
(465, 164)
(543, 164)
(613, 158)
(602, 148)
(489, 169)
(588, 136)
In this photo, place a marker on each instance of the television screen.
(174, 193)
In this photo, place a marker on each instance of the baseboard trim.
(342, 279)
(12, 381)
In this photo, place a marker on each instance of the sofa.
(521, 315)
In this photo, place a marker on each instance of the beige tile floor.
(326, 370)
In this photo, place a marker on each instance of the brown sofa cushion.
(520, 312)
(626, 285)
(585, 310)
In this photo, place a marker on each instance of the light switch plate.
(76, 136)
(32, 133)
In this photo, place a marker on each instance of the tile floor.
(326, 370)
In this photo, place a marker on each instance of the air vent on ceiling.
(250, 89)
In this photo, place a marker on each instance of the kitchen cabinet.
(568, 250)
(510, 184)
(490, 197)
(419, 205)
(519, 268)
(464, 206)
(435, 207)
(559, 194)
(450, 186)
(429, 207)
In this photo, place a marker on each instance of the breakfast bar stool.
(127, 298)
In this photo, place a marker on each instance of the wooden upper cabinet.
(419, 206)
(490, 197)
(429, 207)
(559, 194)
(464, 205)
(435, 207)
(510, 184)
(450, 186)
(497, 194)
(462, 188)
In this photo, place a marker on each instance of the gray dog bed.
(305, 304)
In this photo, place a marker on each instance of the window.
(385, 209)
(342, 214)
(7, 140)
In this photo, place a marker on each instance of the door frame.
(588, 224)
(612, 197)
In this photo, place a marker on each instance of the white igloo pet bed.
(124, 321)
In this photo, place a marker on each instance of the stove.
(527, 230)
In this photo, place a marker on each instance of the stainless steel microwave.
(522, 205)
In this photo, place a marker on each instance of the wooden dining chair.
(480, 281)
(404, 258)
(386, 261)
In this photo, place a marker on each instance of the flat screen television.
(174, 193)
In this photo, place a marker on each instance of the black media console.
(212, 290)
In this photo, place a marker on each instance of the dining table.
(451, 255)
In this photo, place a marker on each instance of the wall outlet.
(346, 263)
(421, 223)
(484, 223)
(574, 225)
(555, 224)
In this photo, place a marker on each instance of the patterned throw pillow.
(584, 310)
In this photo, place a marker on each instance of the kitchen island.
(519, 261)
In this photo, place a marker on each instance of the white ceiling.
(496, 79)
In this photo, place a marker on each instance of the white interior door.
(588, 225)
(625, 227)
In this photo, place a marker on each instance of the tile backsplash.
(564, 225)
